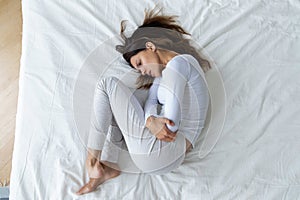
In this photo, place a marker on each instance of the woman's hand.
(157, 126)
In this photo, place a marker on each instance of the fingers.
(166, 121)
(168, 132)
(162, 132)
(170, 122)
(166, 135)
(166, 138)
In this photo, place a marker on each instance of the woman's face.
(147, 62)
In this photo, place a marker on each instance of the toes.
(90, 186)
(85, 189)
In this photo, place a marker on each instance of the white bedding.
(255, 46)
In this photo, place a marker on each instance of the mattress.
(250, 144)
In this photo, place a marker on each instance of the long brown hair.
(165, 33)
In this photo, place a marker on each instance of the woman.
(157, 141)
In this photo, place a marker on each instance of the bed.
(250, 146)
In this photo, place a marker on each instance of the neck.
(165, 55)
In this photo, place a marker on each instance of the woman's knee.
(107, 83)
(157, 165)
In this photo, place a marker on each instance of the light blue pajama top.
(180, 95)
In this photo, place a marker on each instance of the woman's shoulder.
(181, 59)
(188, 60)
(179, 64)
(186, 65)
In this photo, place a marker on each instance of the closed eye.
(138, 64)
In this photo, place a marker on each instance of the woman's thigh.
(145, 149)
(160, 155)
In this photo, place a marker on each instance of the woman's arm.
(155, 123)
(157, 126)
(151, 104)
(174, 80)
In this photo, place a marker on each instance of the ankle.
(93, 153)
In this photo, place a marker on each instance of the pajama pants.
(118, 117)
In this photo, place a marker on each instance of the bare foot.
(106, 174)
(94, 167)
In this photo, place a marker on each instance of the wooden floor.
(10, 53)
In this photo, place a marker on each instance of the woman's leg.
(109, 154)
(113, 98)
(98, 140)
(148, 153)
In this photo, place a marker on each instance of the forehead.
(135, 58)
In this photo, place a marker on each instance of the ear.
(150, 46)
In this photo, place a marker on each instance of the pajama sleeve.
(174, 80)
(151, 103)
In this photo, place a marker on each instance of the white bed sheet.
(254, 44)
